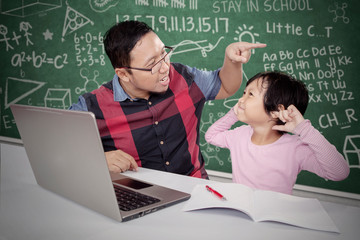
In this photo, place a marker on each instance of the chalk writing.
(52, 51)
(182, 24)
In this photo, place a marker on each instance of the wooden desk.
(27, 211)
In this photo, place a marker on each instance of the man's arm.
(231, 72)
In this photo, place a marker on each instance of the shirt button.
(167, 163)
(150, 103)
(156, 122)
(161, 142)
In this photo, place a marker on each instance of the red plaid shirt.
(160, 133)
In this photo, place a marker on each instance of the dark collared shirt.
(162, 132)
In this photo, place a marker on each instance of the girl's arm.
(216, 134)
(325, 161)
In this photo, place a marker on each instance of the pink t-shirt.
(275, 166)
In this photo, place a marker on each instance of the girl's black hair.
(282, 88)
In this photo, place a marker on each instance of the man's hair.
(121, 38)
(283, 89)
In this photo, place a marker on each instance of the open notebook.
(67, 157)
(261, 205)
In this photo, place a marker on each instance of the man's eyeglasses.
(157, 65)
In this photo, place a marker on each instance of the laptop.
(67, 157)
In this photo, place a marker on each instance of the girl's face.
(250, 107)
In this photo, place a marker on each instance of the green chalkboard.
(52, 52)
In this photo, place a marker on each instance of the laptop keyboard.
(130, 200)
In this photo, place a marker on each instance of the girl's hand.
(290, 116)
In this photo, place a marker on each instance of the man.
(149, 114)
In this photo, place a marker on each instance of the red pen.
(215, 192)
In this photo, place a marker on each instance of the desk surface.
(28, 211)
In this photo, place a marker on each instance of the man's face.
(146, 53)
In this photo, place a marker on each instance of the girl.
(264, 155)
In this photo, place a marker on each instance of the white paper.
(263, 205)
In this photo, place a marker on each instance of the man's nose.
(164, 66)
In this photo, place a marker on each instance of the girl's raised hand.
(290, 116)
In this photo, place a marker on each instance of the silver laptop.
(67, 157)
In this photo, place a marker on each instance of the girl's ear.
(122, 74)
(281, 107)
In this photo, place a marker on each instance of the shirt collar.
(119, 93)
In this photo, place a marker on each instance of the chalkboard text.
(292, 29)
(287, 5)
(182, 24)
(237, 6)
(38, 60)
